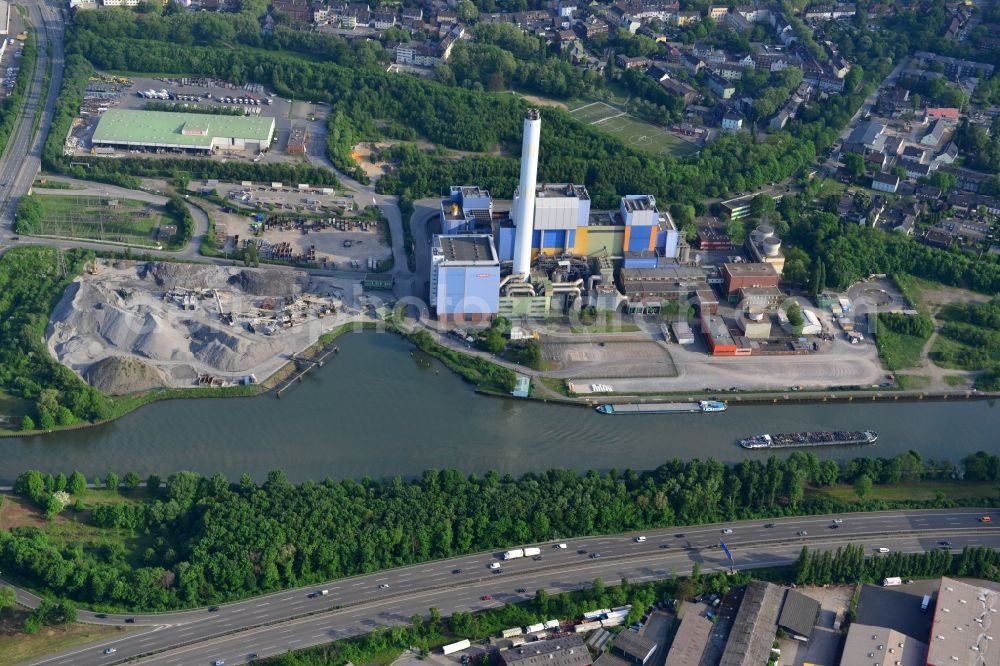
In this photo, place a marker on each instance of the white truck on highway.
(892, 580)
(521, 552)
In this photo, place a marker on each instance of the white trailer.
(534, 628)
(456, 647)
(513, 554)
(892, 580)
(510, 633)
(531, 552)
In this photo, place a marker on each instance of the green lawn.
(919, 491)
(912, 382)
(630, 130)
(898, 351)
(956, 380)
(945, 348)
(92, 218)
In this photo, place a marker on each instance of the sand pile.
(118, 375)
(126, 329)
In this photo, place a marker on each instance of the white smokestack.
(524, 207)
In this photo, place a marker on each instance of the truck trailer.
(456, 647)
(892, 580)
(513, 554)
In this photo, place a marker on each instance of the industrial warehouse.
(196, 132)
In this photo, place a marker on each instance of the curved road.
(282, 621)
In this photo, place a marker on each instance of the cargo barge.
(664, 407)
(807, 439)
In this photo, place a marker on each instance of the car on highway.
(456, 571)
(581, 552)
(769, 525)
(494, 565)
(520, 590)
(802, 533)
(944, 544)
(251, 656)
(640, 539)
(383, 586)
(212, 609)
(727, 531)
(594, 556)
(537, 558)
(882, 550)
(498, 571)
(110, 651)
(219, 662)
(561, 546)
(100, 616)
(834, 526)
(985, 519)
(130, 620)
(664, 545)
(838, 521)
(678, 536)
(486, 597)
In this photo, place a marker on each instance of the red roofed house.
(942, 113)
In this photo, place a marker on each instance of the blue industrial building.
(465, 278)
(468, 210)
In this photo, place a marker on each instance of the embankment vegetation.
(901, 338)
(200, 540)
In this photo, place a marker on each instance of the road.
(22, 158)
(275, 623)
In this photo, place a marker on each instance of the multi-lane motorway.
(292, 619)
(21, 159)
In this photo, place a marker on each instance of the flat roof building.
(127, 128)
(566, 651)
(879, 646)
(960, 631)
(465, 278)
(4, 17)
(633, 647)
(297, 141)
(740, 276)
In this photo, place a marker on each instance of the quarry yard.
(130, 326)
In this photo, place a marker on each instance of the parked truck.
(892, 580)
(456, 647)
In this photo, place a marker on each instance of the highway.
(282, 621)
(22, 158)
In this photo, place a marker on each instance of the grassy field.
(898, 351)
(956, 380)
(925, 490)
(912, 382)
(631, 130)
(16, 647)
(92, 218)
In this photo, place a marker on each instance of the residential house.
(728, 71)
(732, 121)
(681, 89)
(885, 182)
(692, 63)
(935, 135)
(718, 13)
(720, 87)
(384, 20)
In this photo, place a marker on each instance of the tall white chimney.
(524, 206)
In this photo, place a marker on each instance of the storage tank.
(772, 246)
(755, 313)
(765, 231)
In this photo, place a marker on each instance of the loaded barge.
(806, 439)
(664, 407)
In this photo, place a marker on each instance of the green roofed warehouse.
(125, 128)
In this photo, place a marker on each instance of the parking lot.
(190, 93)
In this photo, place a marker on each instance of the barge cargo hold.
(664, 407)
(807, 439)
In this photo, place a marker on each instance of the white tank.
(524, 210)
(765, 231)
(755, 313)
(772, 246)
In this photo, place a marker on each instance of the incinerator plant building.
(197, 132)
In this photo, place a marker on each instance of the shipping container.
(456, 647)
(510, 633)
(534, 628)
(584, 627)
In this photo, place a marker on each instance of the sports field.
(102, 219)
(631, 130)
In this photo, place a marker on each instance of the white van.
(494, 565)
(561, 546)
(640, 539)
(883, 550)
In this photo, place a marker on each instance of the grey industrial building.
(565, 651)
(880, 646)
(755, 626)
(960, 632)
(648, 288)
(690, 639)
(798, 615)
(633, 647)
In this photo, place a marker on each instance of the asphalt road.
(21, 159)
(287, 620)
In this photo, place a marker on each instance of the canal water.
(378, 410)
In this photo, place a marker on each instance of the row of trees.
(206, 539)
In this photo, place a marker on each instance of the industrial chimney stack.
(524, 206)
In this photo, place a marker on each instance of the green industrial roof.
(126, 126)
